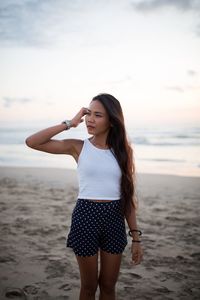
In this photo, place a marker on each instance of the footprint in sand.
(65, 287)
(136, 276)
(31, 289)
(14, 293)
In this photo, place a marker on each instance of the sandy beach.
(36, 206)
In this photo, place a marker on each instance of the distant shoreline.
(156, 151)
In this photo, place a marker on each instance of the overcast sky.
(56, 55)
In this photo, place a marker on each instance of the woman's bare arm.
(136, 249)
(43, 141)
(132, 222)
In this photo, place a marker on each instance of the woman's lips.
(90, 127)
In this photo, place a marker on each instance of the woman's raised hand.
(78, 117)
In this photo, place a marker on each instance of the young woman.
(106, 193)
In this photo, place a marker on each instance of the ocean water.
(156, 150)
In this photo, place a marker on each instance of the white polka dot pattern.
(97, 225)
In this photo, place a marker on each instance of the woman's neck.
(99, 141)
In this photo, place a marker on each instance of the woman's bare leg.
(88, 267)
(109, 271)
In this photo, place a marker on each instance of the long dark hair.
(118, 142)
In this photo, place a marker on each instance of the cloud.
(9, 101)
(46, 23)
(181, 5)
(17, 22)
(191, 73)
(35, 22)
(184, 5)
(175, 88)
(182, 89)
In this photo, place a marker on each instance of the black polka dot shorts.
(97, 225)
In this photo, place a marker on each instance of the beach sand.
(36, 206)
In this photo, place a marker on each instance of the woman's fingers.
(85, 109)
(137, 254)
(78, 117)
(137, 260)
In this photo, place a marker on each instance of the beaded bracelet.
(134, 230)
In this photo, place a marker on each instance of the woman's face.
(97, 119)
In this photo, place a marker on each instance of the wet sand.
(35, 215)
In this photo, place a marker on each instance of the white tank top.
(99, 174)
